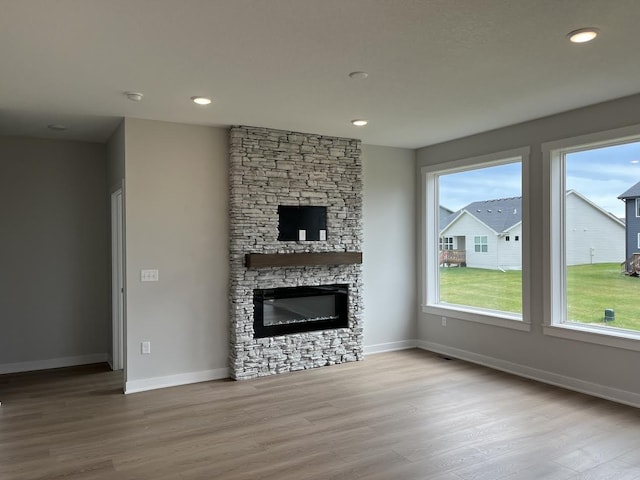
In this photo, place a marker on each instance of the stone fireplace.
(271, 169)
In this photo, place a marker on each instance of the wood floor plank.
(403, 415)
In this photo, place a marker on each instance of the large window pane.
(480, 216)
(602, 236)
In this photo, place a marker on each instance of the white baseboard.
(53, 363)
(544, 376)
(389, 347)
(154, 383)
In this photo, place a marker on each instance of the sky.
(599, 174)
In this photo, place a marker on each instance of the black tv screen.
(293, 220)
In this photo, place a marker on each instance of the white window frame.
(555, 303)
(639, 240)
(637, 207)
(430, 239)
(479, 243)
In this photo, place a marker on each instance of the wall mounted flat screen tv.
(307, 223)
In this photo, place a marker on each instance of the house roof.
(500, 214)
(443, 214)
(633, 192)
(434, 66)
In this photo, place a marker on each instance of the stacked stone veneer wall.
(270, 168)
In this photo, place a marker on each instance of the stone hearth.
(271, 168)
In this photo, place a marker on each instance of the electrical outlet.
(145, 348)
(149, 275)
(444, 321)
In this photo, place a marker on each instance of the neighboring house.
(631, 198)
(490, 233)
(593, 235)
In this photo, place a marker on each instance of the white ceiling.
(438, 69)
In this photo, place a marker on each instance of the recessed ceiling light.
(358, 75)
(134, 96)
(56, 126)
(359, 122)
(201, 100)
(583, 35)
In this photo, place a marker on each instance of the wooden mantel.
(258, 260)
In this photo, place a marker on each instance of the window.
(481, 279)
(593, 289)
(517, 238)
(506, 239)
(637, 207)
(480, 244)
(446, 243)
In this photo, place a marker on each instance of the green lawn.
(482, 288)
(590, 289)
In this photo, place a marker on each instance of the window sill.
(597, 335)
(487, 317)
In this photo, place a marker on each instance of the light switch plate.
(149, 275)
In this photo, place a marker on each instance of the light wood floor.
(395, 416)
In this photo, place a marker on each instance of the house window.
(637, 207)
(480, 244)
(506, 239)
(475, 282)
(589, 297)
(517, 238)
(446, 243)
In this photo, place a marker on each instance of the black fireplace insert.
(280, 311)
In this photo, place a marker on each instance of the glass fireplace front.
(279, 311)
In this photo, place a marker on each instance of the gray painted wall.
(596, 364)
(115, 158)
(54, 251)
(389, 247)
(176, 222)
